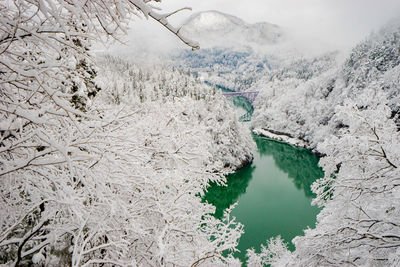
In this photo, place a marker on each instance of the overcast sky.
(334, 23)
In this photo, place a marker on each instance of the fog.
(316, 24)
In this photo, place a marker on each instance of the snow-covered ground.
(280, 137)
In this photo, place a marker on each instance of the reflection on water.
(243, 103)
(222, 197)
(273, 194)
(300, 164)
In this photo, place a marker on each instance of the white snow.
(214, 28)
(350, 114)
(280, 137)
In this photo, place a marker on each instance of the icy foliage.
(127, 191)
(359, 224)
(350, 115)
(275, 249)
(229, 142)
(301, 99)
(106, 174)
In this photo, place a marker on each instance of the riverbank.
(281, 137)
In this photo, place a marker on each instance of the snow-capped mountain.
(214, 28)
(234, 54)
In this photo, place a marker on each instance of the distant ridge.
(213, 28)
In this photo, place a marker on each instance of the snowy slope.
(350, 114)
(214, 28)
(234, 54)
(141, 152)
(372, 68)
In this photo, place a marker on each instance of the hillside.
(105, 160)
(121, 182)
(349, 114)
(301, 98)
(234, 54)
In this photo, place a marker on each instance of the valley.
(253, 151)
(347, 112)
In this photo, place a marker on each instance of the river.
(273, 194)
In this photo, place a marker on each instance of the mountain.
(370, 73)
(234, 54)
(214, 28)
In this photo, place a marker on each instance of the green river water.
(273, 194)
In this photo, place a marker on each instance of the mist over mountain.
(214, 28)
(235, 54)
(106, 156)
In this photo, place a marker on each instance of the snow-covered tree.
(350, 115)
(85, 181)
(359, 224)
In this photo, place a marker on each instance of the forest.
(104, 160)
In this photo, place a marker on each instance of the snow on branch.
(162, 19)
(85, 181)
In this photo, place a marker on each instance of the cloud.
(317, 25)
(341, 23)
